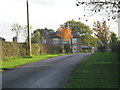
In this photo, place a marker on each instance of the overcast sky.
(43, 13)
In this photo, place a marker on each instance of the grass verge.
(14, 62)
(100, 70)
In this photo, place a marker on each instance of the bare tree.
(110, 8)
(17, 28)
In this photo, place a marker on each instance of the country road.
(49, 73)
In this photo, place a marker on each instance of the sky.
(43, 13)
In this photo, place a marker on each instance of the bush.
(13, 49)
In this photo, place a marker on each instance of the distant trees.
(25, 32)
(88, 40)
(79, 27)
(37, 35)
(113, 42)
(36, 38)
(43, 30)
(103, 33)
(17, 28)
(84, 31)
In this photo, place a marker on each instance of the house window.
(65, 42)
(74, 40)
(55, 40)
(44, 41)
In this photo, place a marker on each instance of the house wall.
(50, 36)
(76, 46)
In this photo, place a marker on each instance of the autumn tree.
(17, 28)
(65, 33)
(103, 33)
(84, 31)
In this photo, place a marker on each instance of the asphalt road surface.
(49, 73)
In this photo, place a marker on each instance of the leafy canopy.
(79, 27)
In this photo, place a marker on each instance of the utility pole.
(71, 44)
(29, 33)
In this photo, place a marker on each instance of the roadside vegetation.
(100, 70)
(14, 62)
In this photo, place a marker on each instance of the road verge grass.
(14, 62)
(100, 70)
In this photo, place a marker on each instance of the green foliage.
(14, 62)
(79, 26)
(84, 30)
(98, 71)
(88, 40)
(43, 30)
(113, 40)
(81, 51)
(37, 37)
(11, 50)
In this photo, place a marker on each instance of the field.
(100, 70)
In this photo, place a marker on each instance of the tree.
(113, 41)
(37, 37)
(111, 8)
(88, 40)
(103, 33)
(43, 30)
(65, 33)
(17, 28)
(84, 31)
(25, 32)
(79, 27)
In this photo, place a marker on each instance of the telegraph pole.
(29, 33)
(71, 44)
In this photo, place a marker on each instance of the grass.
(100, 70)
(14, 62)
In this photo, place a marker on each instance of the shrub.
(14, 49)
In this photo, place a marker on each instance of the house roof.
(2, 39)
(54, 35)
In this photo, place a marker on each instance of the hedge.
(13, 49)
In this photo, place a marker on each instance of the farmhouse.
(51, 38)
